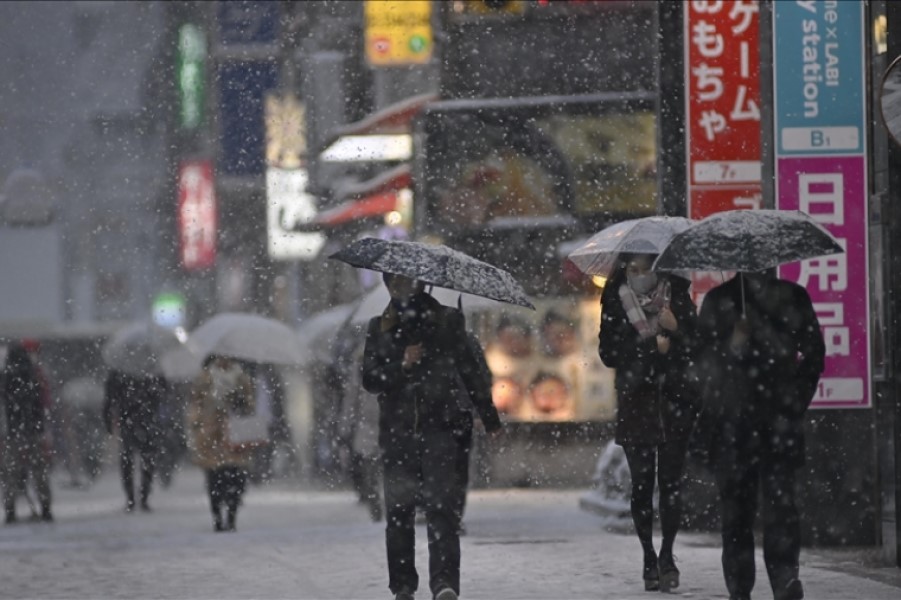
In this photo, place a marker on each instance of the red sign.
(722, 83)
(196, 215)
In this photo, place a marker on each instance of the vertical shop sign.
(820, 152)
(190, 73)
(722, 83)
(196, 215)
(398, 32)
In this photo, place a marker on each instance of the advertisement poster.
(545, 363)
(820, 142)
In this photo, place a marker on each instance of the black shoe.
(740, 597)
(145, 507)
(47, 516)
(793, 590)
(11, 518)
(217, 522)
(651, 574)
(403, 595)
(230, 522)
(669, 574)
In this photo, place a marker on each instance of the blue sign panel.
(242, 88)
(819, 76)
(243, 22)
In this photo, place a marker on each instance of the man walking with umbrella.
(417, 358)
(763, 359)
(765, 356)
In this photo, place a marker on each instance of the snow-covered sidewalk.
(292, 543)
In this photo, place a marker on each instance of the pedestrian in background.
(131, 406)
(764, 353)
(416, 358)
(222, 390)
(647, 334)
(27, 448)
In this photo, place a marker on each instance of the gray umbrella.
(137, 348)
(747, 240)
(650, 235)
(437, 265)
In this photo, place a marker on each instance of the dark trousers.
(738, 486)
(24, 458)
(131, 447)
(225, 486)
(664, 463)
(424, 469)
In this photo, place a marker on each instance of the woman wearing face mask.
(647, 331)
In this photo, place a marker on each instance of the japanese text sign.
(821, 169)
(196, 215)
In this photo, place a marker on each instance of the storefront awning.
(371, 206)
(382, 136)
(394, 180)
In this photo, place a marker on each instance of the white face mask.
(642, 284)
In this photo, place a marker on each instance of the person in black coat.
(134, 403)
(416, 358)
(647, 335)
(764, 354)
(26, 446)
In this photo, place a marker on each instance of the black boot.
(232, 516)
(217, 521)
(669, 574)
(650, 573)
(11, 516)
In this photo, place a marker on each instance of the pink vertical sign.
(832, 189)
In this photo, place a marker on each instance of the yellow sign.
(398, 32)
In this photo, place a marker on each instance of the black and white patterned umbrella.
(437, 265)
(747, 240)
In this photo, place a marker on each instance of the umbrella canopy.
(437, 265)
(319, 332)
(137, 348)
(243, 336)
(650, 235)
(375, 301)
(747, 240)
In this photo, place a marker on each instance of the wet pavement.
(300, 543)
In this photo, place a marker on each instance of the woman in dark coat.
(647, 332)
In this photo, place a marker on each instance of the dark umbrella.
(747, 240)
(436, 265)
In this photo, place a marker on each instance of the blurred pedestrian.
(27, 449)
(222, 390)
(764, 353)
(415, 358)
(132, 406)
(647, 334)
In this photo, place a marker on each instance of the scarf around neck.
(643, 310)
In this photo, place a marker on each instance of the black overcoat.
(755, 396)
(426, 397)
(656, 401)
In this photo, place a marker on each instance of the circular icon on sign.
(418, 43)
(381, 45)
